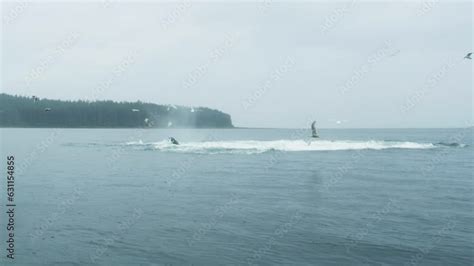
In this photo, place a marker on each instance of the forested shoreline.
(24, 111)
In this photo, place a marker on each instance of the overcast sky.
(345, 64)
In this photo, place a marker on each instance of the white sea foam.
(254, 146)
(139, 142)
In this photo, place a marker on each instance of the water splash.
(255, 146)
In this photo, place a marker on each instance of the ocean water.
(240, 197)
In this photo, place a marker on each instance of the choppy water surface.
(242, 196)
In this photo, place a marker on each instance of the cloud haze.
(346, 64)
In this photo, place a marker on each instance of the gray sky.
(345, 64)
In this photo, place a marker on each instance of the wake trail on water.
(257, 146)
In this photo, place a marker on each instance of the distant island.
(21, 111)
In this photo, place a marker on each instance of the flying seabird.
(339, 122)
(135, 110)
(148, 122)
(47, 109)
(468, 56)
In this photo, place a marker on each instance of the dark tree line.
(20, 111)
